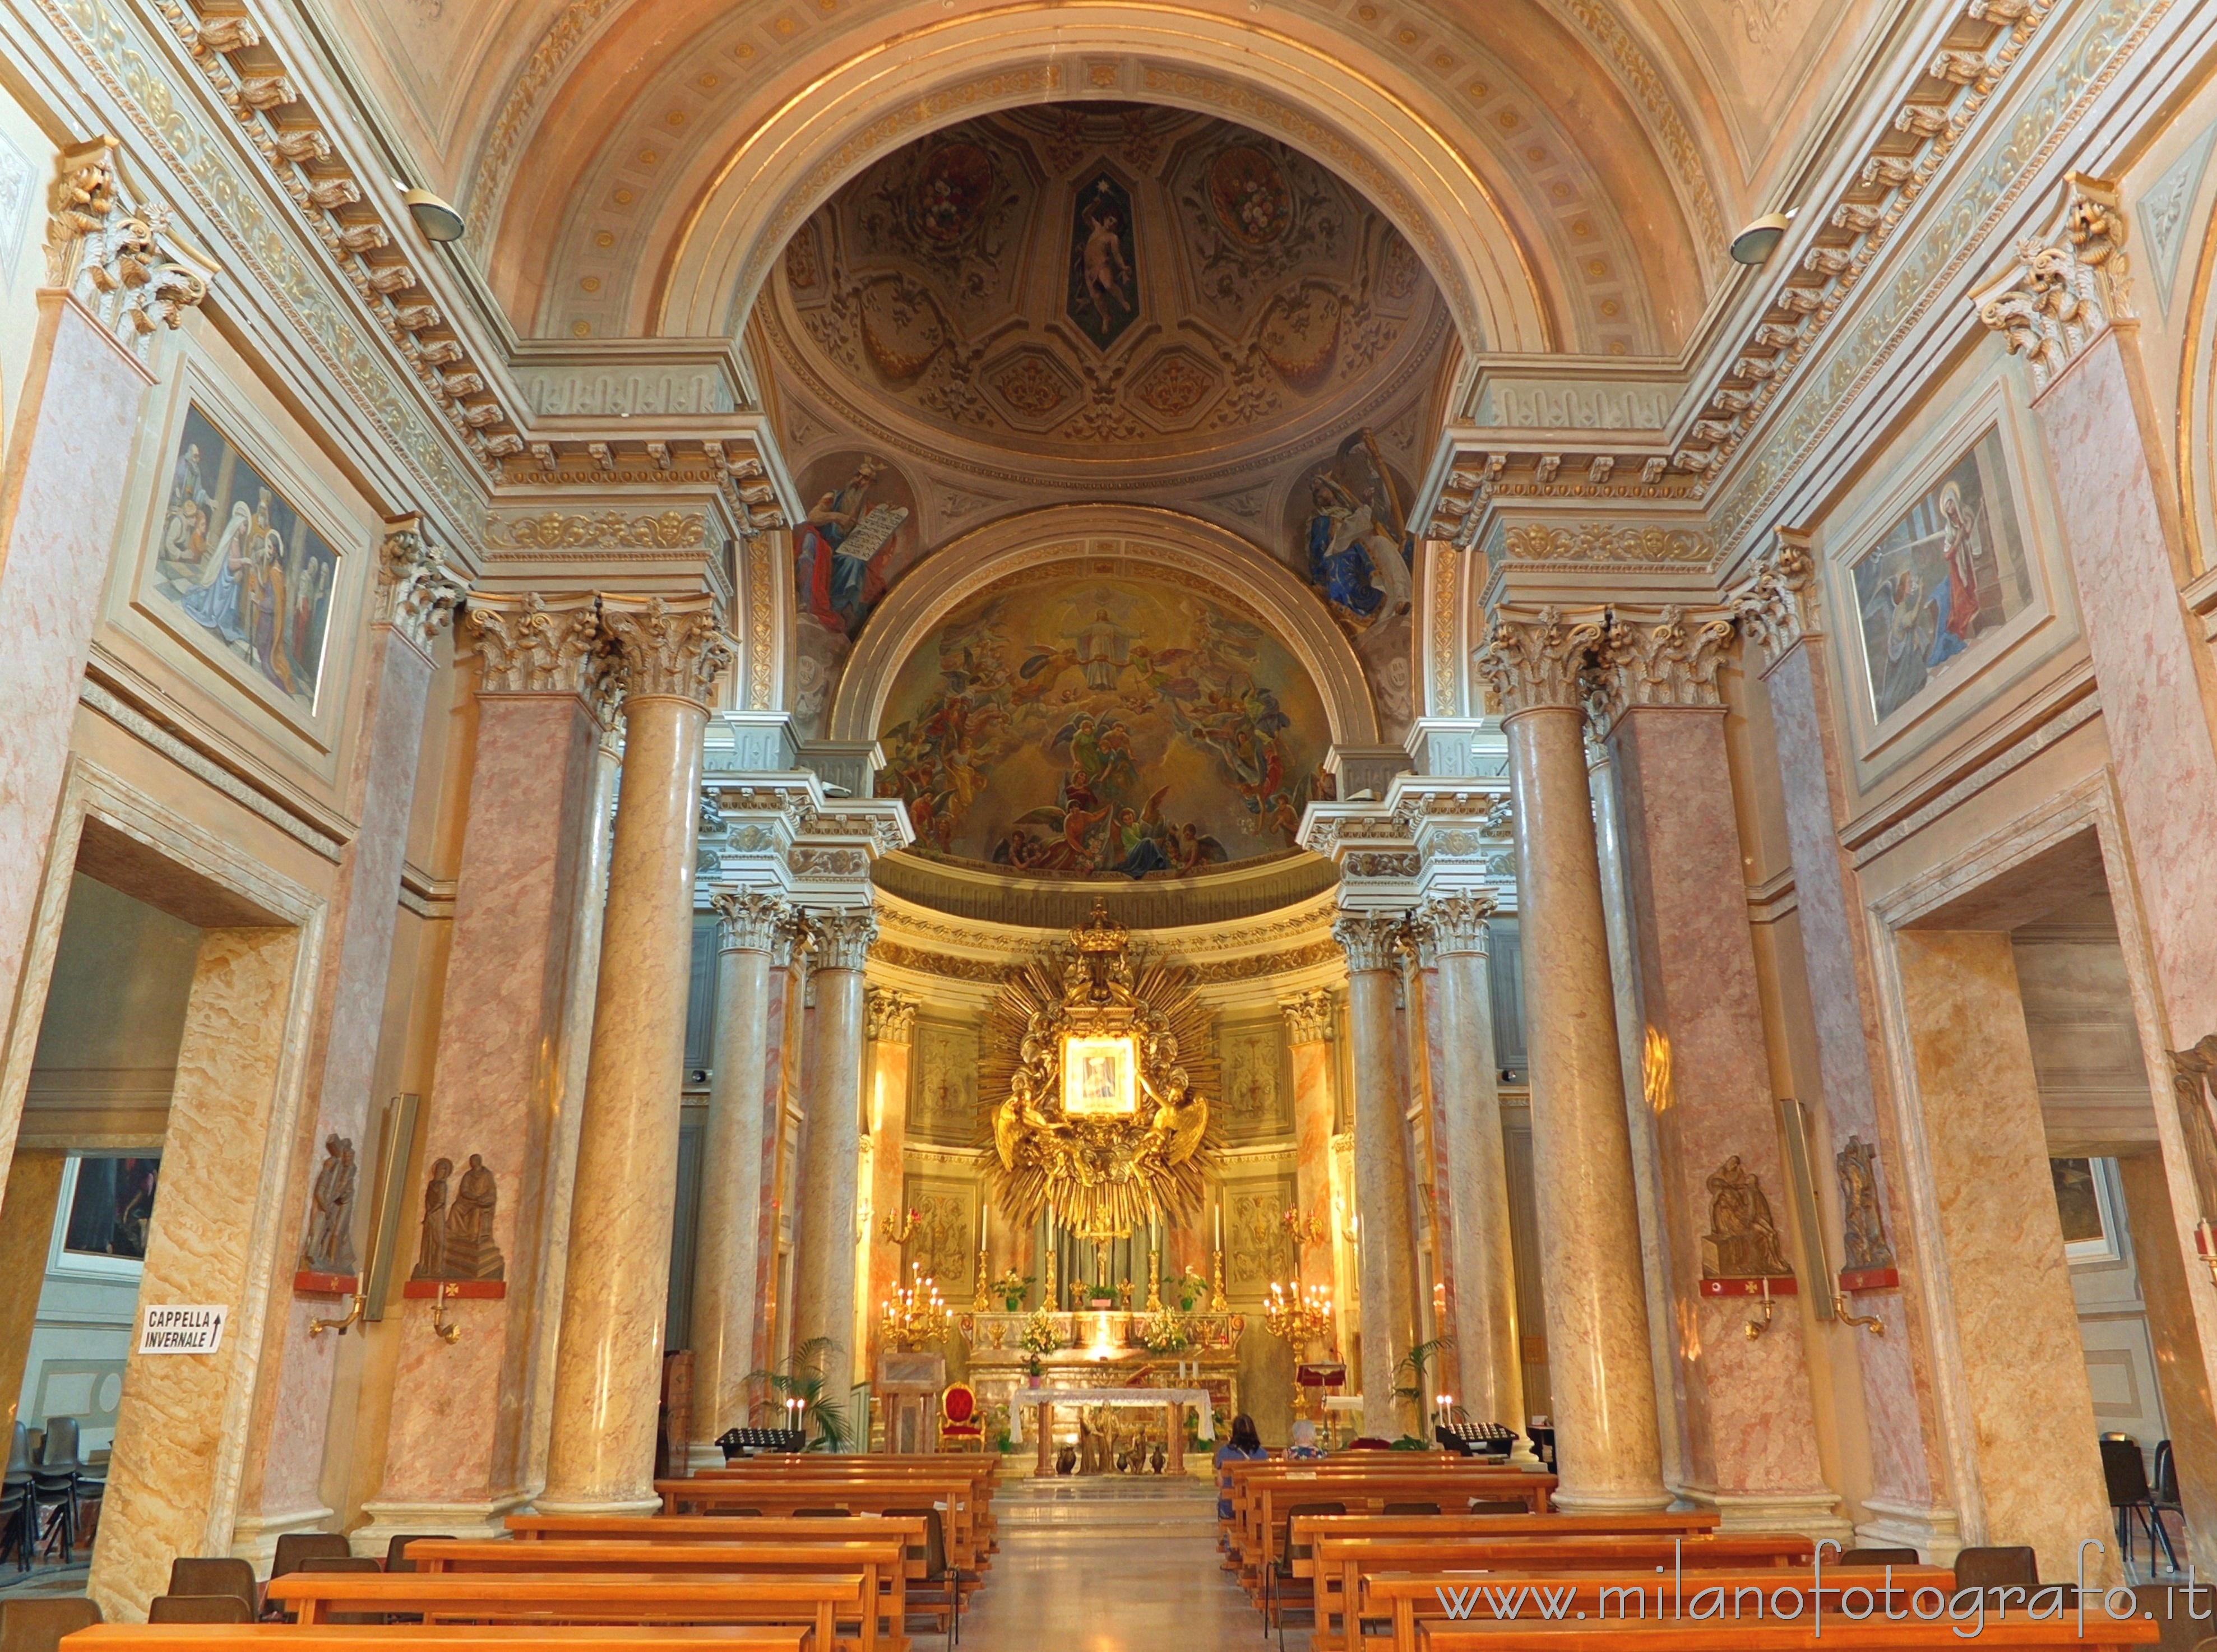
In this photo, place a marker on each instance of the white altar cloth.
(1024, 1399)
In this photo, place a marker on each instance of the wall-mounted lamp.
(1754, 244)
(1757, 1328)
(435, 215)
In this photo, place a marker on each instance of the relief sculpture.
(1863, 1225)
(1742, 1242)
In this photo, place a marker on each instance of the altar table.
(1172, 1400)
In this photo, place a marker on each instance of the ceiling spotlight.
(1754, 244)
(435, 216)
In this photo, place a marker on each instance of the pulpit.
(908, 1388)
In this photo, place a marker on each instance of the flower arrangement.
(1010, 1288)
(1190, 1289)
(1039, 1336)
(1164, 1332)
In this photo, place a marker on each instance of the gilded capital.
(416, 594)
(122, 259)
(1369, 938)
(889, 1017)
(1661, 660)
(1456, 924)
(748, 920)
(658, 648)
(843, 938)
(529, 645)
(1533, 659)
(1308, 1016)
(1777, 608)
(2063, 294)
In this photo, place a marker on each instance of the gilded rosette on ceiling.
(1103, 1063)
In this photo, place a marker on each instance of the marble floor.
(1110, 1566)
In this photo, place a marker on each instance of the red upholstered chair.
(960, 1428)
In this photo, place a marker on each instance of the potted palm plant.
(801, 1382)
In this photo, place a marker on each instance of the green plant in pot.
(1011, 1287)
(802, 1381)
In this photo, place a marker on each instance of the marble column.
(459, 1449)
(1485, 1330)
(2181, 1376)
(727, 1283)
(415, 597)
(609, 1369)
(1385, 1251)
(889, 1031)
(1309, 1018)
(2032, 1467)
(1750, 1419)
(1908, 1501)
(825, 1240)
(1599, 1369)
(26, 1227)
(790, 956)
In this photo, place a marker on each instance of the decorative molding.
(1372, 863)
(937, 964)
(416, 594)
(793, 941)
(662, 648)
(843, 938)
(1309, 1016)
(555, 48)
(551, 530)
(1777, 608)
(1456, 924)
(1537, 660)
(1609, 542)
(527, 644)
(1369, 939)
(2065, 293)
(1662, 660)
(748, 920)
(123, 263)
(1267, 964)
(889, 1018)
(760, 597)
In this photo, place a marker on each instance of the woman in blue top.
(1245, 1445)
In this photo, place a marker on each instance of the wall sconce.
(898, 1230)
(1757, 1328)
(444, 1329)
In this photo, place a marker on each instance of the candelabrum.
(1304, 1231)
(1218, 1302)
(1301, 1317)
(897, 1230)
(1154, 1282)
(978, 1301)
(914, 1317)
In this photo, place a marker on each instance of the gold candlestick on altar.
(977, 1297)
(1048, 1300)
(1216, 1303)
(1154, 1282)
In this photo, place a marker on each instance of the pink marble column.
(1387, 1252)
(824, 1237)
(1599, 1367)
(457, 1455)
(890, 1032)
(1907, 1502)
(789, 955)
(607, 1375)
(281, 1490)
(1309, 1019)
(1484, 1324)
(726, 1281)
(75, 419)
(1751, 1421)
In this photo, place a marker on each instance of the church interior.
(1048, 823)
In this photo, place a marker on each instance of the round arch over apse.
(903, 87)
(914, 608)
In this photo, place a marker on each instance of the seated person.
(1304, 1448)
(1245, 1445)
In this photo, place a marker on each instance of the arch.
(913, 609)
(899, 88)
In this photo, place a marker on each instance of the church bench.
(435, 1637)
(1638, 1598)
(976, 1485)
(1340, 1564)
(906, 1529)
(1304, 1530)
(779, 1499)
(814, 1599)
(1258, 1512)
(883, 1563)
(2015, 1631)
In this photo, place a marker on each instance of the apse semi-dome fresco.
(1058, 725)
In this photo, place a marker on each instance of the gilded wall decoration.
(1105, 727)
(553, 530)
(944, 1243)
(1255, 1249)
(1253, 1106)
(943, 1098)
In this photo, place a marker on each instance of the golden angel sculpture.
(1103, 1069)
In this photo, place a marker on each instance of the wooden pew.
(882, 1562)
(1342, 1563)
(1307, 1528)
(1634, 1599)
(1258, 1512)
(779, 1499)
(813, 1598)
(2016, 1632)
(974, 1485)
(436, 1638)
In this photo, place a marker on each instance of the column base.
(597, 1505)
(1642, 1501)
(1931, 1531)
(388, 1520)
(254, 1537)
(1812, 1513)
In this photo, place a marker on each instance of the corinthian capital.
(527, 644)
(1308, 1016)
(1369, 938)
(1778, 607)
(748, 920)
(2064, 294)
(1454, 923)
(889, 1018)
(416, 594)
(1532, 660)
(843, 939)
(662, 648)
(1662, 659)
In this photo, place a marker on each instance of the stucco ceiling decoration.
(1126, 289)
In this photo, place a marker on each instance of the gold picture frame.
(1100, 1078)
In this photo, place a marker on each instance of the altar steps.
(1108, 1506)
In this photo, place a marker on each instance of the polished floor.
(1110, 1565)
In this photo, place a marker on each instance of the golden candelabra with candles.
(1300, 1316)
(914, 1317)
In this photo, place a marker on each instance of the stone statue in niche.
(470, 1252)
(431, 1248)
(1863, 1227)
(1742, 1242)
(330, 1226)
(2191, 1071)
